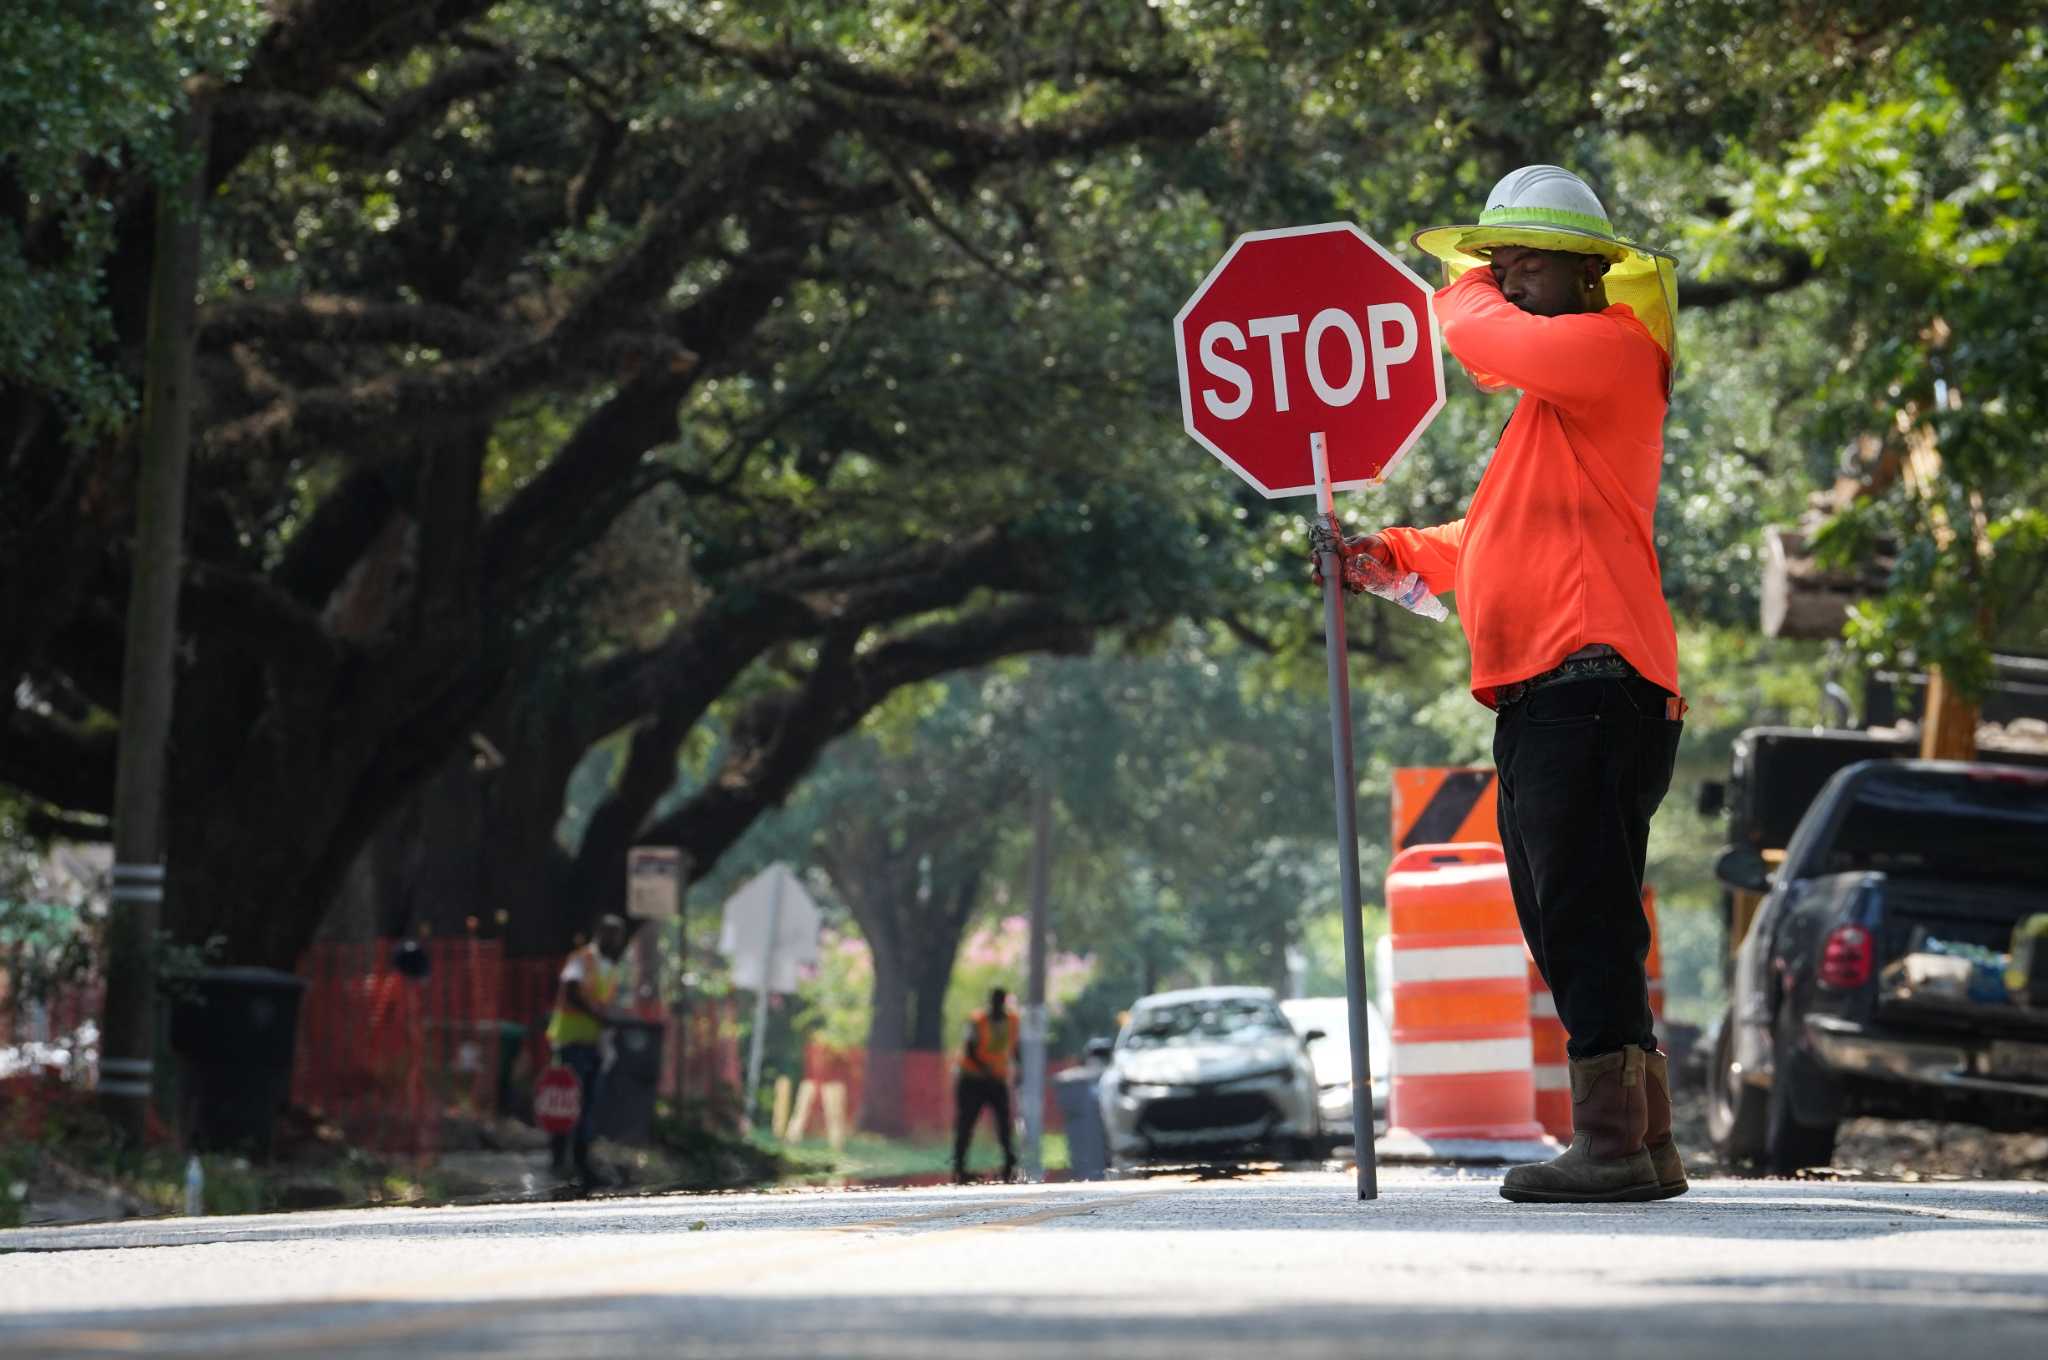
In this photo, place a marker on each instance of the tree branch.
(63, 764)
(1795, 267)
(548, 518)
(255, 613)
(789, 62)
(284, 115)
(461, 391)
(781, 736)
(332, 319)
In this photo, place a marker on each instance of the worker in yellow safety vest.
(984, 1081)
(583, 1007)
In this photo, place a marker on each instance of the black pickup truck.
(1873, 979)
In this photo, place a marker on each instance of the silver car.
(1209, 1073)
(1331, 1016)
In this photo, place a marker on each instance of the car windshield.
(1979, 828)
(1225, 1020)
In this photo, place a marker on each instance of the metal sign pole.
(1344, 773)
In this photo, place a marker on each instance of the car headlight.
(1141, 1090)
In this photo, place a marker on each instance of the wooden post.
(778, 1121)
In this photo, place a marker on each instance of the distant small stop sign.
(557, 1100)
(1305, 331)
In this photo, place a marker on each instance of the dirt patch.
(1883, 1149)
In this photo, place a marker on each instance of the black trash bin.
(234, 1031)
(625, 1101)
(1087, 1149)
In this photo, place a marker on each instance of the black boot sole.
(1633, 1194)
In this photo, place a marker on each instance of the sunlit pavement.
(1283, 1264)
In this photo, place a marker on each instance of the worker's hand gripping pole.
(1343, 773)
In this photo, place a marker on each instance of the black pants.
(587, 1062)
(1583, 765)
(970, 1096)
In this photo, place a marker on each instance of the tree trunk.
(937, 951)
(1949, 728)
(888, 1028)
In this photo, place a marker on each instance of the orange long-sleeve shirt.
(1556, 549)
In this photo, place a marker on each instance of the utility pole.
(1033, 1046)
(128, 1024)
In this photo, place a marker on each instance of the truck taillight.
(1845, 958)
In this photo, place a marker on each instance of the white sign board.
(770, 929)
(654, 877)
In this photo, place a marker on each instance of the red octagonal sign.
(1306, 331)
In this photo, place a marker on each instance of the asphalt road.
(1272, 1266)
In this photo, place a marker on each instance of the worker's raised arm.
(1568, 360)
(1430, 553)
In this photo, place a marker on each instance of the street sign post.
(557, 1100)
(1310, 360)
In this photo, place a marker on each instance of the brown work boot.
(1606, 1160)
(1657, 1128)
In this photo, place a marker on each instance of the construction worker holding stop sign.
(1554, 570)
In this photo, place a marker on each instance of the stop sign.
(557, 1099)
(1306, 331)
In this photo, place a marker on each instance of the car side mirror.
(1744, 869)
(1099, 1049)
(1712, 799)
(1314, 1035)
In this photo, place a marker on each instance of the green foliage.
(90, 86)
(1920, 198)
(44, 946)
(836, 1001)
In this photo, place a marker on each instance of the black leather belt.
(1595, 662)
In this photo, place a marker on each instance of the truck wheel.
(1735, 1109)
(1790, 1145)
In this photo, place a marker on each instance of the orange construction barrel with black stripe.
(1462, 1059)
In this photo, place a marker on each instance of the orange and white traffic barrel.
(1552, 1072)
(1462, 1085)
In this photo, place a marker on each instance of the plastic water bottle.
(195, 1186)
(1413, 596)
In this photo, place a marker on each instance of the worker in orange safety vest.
(984, 1081)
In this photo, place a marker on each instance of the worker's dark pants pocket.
(1583, 766)
(971, 1095)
